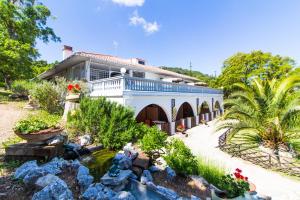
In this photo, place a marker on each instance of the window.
(139, 74)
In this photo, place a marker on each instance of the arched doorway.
(184, 112)
(154, 115)
(217, 109)
(204, 112)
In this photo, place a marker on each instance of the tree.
(21, 24)
(242, 67)
(40, 66)
(265, 112)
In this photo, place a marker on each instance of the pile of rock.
(47, 185)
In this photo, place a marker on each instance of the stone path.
(203, 141)
(10, 113)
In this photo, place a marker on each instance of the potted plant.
(180, 128)
(74, 91)
(37, 130)
(234, 186)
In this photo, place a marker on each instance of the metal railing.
(126, 83)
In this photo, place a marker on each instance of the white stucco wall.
(152, 76)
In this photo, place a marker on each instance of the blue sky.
(175, 32)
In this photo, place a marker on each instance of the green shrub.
(22, 87)
(48, 97)
(210, 171)
(180, 158)
(108, 123)
(33, 123)
(153, 140)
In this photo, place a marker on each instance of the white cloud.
(149, 27)
(129, 3)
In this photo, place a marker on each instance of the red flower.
(70, 87)
(238, 170)
(237, 175)
(246, 178)
(77, 86)
(242, 177)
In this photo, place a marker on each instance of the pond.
(99, 162)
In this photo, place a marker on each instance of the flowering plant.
(180, 127)
(74, 88)
(234, 184)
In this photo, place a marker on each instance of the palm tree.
(265, 112)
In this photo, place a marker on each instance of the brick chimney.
(67, 51)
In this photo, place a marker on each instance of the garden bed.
(184, 186)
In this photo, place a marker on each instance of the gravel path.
(10, 113)
(203, 141)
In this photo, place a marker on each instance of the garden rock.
(170, 173)
(24, 169)
(82, 170)
(46, 180)
(137, 171)
(125, 163)
(120, 187)
(84, 181)
(51, 168)
(119, 156)
(167, 193)
(75, 164)
(114, 181)
(146, 177)
(194, 198)
(151, 185)
(85, 140)
(153, 169)
(141, 161)
(59, 139)
(129, 151)
(133, 176)
(57, 190)
(98, 191)
(33, 175)
(123, 195)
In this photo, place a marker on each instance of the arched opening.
(217, 109)
(154, 115)
(184, 111)
(204, 112)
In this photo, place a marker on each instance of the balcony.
(117, 86)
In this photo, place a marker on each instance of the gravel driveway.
(203, 140)
(10, 113)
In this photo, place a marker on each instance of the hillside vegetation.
(210, 80)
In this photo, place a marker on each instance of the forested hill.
(210, 80)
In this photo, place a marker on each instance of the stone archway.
(217, 109)
(184, 111)
(204, 112)
(152, 115)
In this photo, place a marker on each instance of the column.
(88, 70)
(212, 115)
(172, 128)
(206, 117)
(189, 123)
(197, 120)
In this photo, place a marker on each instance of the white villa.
(157, 96)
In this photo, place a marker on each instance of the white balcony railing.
(117, 85)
